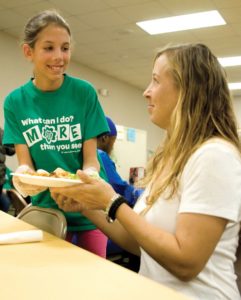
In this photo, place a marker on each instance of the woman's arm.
(102, 191)
(90, 154)
(183, 253)
(115, 231)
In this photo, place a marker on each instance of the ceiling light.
(235, 86)
(183, 22)
(230, 61)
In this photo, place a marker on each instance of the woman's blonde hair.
(204, 110)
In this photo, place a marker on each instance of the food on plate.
(60, 173)
(57, 173)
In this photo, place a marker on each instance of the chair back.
(17, 201)
(48, 219)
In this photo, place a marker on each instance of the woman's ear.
(27, 51)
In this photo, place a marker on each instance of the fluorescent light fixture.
(230, 61)
(235, 86)
(183, 22)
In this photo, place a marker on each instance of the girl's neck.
(48, 86)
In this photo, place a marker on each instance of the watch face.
(109, 220)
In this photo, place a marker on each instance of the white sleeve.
(211, 183)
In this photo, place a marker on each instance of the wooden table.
(54, 269)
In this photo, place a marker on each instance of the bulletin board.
(130, 150)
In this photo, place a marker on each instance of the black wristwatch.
(111, 209)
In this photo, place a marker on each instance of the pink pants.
(92, 240)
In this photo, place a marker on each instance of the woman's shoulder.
(216, 150)
(218, 145)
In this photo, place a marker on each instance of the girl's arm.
(90, 155)
(25, 164)
(23, 155)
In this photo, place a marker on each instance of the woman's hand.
(67, 204)
(91, 194)
(23, 188)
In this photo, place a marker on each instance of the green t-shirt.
(54, 125)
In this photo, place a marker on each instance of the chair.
(47, 219)
(121, 257)
(17, 201)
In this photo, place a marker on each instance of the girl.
(54, 119)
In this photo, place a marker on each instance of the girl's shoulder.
(16, 94)
(79, 82)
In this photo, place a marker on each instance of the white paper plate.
(46, 181)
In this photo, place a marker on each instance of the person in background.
(105, 145)
(186, 224)
(10, 151)
(54, 120)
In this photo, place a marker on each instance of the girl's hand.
(23, 188)
(92, 172)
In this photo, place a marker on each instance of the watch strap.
(113, 207)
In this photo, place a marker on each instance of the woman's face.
(161, 94)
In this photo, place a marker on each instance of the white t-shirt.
(210, 184)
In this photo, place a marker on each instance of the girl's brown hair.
(40, 21)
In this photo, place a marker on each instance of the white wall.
(125, 104)
(130, 150)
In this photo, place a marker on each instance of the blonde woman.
(185, 226)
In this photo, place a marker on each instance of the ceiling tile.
(107, 39)
(29, 10)
(17, 3)
(9, 18)
(76, 7)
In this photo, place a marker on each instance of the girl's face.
(161, 94)
(50, 56)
